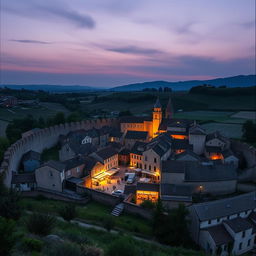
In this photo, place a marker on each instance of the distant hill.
(51, 88)
(234, 81)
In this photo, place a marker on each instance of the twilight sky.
(112, 42)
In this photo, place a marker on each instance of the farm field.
(228, 130)
(245, 115)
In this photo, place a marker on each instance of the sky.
(105, 43)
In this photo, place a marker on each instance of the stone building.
(225, 226)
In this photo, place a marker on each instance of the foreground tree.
(68, 212)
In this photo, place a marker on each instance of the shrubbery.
(40, 224)
(31, 244)
(109, 223)
(68, 212)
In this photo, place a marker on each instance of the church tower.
(157, 117)
(169, 109)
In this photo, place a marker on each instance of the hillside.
(235, 81)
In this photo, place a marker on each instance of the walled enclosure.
(44, 139)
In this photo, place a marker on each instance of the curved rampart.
(42, 139)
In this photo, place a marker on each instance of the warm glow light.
(216, 157)
(179, 137)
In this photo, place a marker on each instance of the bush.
(31, 244)
(68, 212)
(122, 246)
(109, 223)
(91, 251)
(40, 224)
(147, 204)
(7, 238)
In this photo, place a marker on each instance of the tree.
(59, 118)
(74, 117)
(249, 131)
(40, 224)
(7, 237)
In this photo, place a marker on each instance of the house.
(133, 136)
(174, 194)
(147, 191)
(197, 138)
(225, 225)
(107, 156)
(136, 154)
(31, 161)
(187, 155)
(211, 178)
(76, 143)
(179, 146)
(23, 182)
(124, 157)
(173, 172)
(74, 167)
(115, 136)
(230, 158)
(50, 176)
(8, 101)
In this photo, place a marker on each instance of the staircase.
(118, 209)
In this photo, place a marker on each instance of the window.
(149, 167)
(243, 234)
(228, 217)
(218, 220)
(209, 222)
(145, 166)
(154, 168)
(240, 246)
(78, 169)
(50, 173)
(146, 158)
(249, 242)
(69, 173)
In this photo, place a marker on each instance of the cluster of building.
(172, 159)
(8, 101)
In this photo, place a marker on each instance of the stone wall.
(98, 196)
(43, 139)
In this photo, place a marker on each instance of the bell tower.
(169, 109)
(157, 117)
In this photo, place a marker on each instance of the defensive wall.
(43, 139)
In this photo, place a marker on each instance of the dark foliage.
(249, 131)
(148, 204)
(31, 244)
(7, 237)
(109, 223)
(40, 224)
(68, 212)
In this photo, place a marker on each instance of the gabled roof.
(169, 108)
(181, 144)
(136, 135)
(175, 189)
(213, 149)
(90, 162)
(195, 171)
(172, 166)
(55, 165)
(238, 224)
(31, 155)
(138, 148)
(74, 162)
(189, 153)
(106, 153)
(148, 186)
(225, 207)
(216, 135)
(180, 123)
(23, 178)
(115, 133)
(219, 235)
(197, 130)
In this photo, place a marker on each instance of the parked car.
(117, 192)
(131, 178)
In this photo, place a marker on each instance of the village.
(151, 158)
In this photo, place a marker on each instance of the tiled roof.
(225, 207)
(188, 152)
(23, 178)
(136, 135)
(90, 162)
(216, 135)
(55, 165)
(106, 153)
(213, 149)
(181, 144)
(238, 224)
(172, 166)
(157, 104)
(31, 155)
(195, 171)
(138, 148)
(219, 235)
(148, 186)
(175, 189)
(197, 130)
(73, 162)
